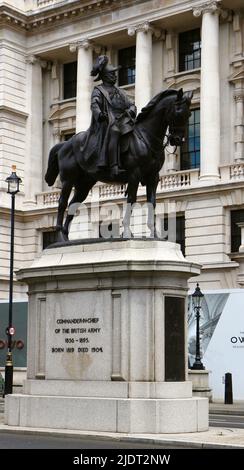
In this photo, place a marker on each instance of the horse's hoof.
(153, 234)
(127, 234)
(65, 235)
(62, 237)
(66, 238)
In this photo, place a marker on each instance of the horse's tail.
(53, 169)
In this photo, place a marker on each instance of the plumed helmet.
(101, 66)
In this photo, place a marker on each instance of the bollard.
(228, 389)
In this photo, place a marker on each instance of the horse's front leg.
(131, 199)
(82, 189)
(62, 204)
(151, 200)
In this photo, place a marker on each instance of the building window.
(190, 150)
(48, 238)
(189, 50)
(68, 136)
(127, 60)
(236, 216)
(70, 80)
(180, 231)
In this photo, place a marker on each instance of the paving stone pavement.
(237, 408)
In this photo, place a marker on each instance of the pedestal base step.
(108, 389)
(108, 414)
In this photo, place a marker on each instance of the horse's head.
(179, 115)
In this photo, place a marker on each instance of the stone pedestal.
(107, 347)
(200, 383)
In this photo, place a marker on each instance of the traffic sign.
(10, 331)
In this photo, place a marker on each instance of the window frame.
(180, 53)
(66, 135)
(182, 152)
(126, 67)
(179, 216)
(45, 232)
(233, 225)
(73, 81)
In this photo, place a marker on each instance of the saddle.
(131, 142)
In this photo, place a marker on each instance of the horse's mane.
(146, 110)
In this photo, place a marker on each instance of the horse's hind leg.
(151, 200)
(131, 199)
(81, 192)
(62, 204)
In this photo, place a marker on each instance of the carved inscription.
(77, 335)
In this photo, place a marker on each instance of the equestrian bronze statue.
(118, 147)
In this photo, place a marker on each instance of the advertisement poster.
(19, 339)
(222, 339)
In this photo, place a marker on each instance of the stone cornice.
(57, 13)
(5, 212)
(12, 17)
(13, 111)
(64, 12)
(222, 188)
(12, 46)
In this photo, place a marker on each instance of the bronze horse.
(142, 154)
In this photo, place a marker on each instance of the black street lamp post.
(13, 188)
(197, 300)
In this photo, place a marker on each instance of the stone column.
(172, 159)
(170, 51)
(239, 123)
(34, 154)
(56, 134)
(55, 81)
(238, 38)
(241, 226)
(237, 79)
(84, 83)
(48, 97)
(143, 84)
(210, 90)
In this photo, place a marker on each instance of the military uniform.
(115, 113)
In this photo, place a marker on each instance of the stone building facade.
(47, 51)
